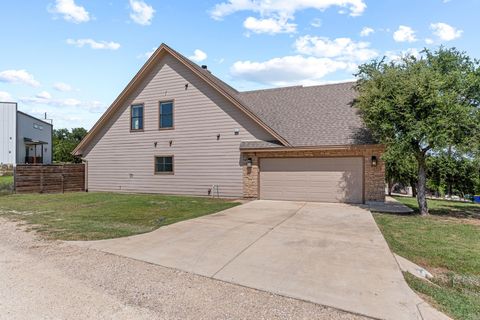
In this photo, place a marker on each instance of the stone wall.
(374, 176)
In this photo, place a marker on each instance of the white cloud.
(71, 11)
(63, 87)
(276, 16)
(44, 98)
(5, 97)
(44, 95)
(344, 49)
(398, 55)
(366, 31)
(429, 41)
(445, 32)
(316, 23)
(142, 13)
(318, 57)
(18, 76)
(147, 54)
(269, 25)
(288, 70)
(198, 56)
(94, 44)
(284, 8)
(404, 34)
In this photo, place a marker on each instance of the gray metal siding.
(8, 120)
(120, 160)
(26, 130)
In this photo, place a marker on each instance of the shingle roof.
(259, 144)
(304, 116)
(310, 116)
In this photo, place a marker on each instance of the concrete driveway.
(330, 254)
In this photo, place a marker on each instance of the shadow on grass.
(445, 208)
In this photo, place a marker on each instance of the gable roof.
(296, 116)
(226, 90)
(311, 116)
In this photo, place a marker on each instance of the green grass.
(6, 185)
(450, 208)
(447, 243)
(91, 216)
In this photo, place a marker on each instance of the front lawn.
(447, 244)
(91, 216)
(6, 185)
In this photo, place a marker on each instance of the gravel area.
(42, 279)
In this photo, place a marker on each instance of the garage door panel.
(312, 179)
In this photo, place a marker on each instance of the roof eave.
(139, 76)
(313, 148)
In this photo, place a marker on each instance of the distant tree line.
(64, 141)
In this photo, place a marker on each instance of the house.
(178, 129)
(23, 139)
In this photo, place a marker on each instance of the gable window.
(164, 164)
(166, 115)
(136, 117)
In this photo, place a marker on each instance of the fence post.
(41, 179)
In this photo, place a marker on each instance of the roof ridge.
(271, 89)
(207, 72)
(298, 87)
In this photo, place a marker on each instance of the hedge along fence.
(49, 178)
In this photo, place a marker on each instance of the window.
(166, 115)
(136, 115)
(164, 164)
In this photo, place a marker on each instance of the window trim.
(143, 116)
(163, 172)
(160, 114)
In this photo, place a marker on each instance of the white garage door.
(312, 179)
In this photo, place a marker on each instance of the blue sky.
(71, 58)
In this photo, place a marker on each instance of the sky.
(72, 58)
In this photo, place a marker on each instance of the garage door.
(312, 179)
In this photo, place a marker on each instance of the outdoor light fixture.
(218, 136)
(155, 144)
(249, 162)
(374, 161)
(236, 131)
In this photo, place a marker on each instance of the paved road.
(330, 254)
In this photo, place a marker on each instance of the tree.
(400, 168)
(64, 142)
(421, 105)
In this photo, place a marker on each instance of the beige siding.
(312, 179)
(120, 160)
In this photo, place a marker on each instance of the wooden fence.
(49, 178)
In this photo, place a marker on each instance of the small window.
(163, 164)
(136, 117)
(166, 115)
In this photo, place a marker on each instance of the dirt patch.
(56, 280)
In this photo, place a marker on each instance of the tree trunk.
(421, 186)
(413, 184)
(390, 186)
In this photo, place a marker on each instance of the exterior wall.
(120, 160)
(374, 177)
(8, 129)
(26, 129)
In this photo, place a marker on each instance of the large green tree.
(421, 105)
(64, 141)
